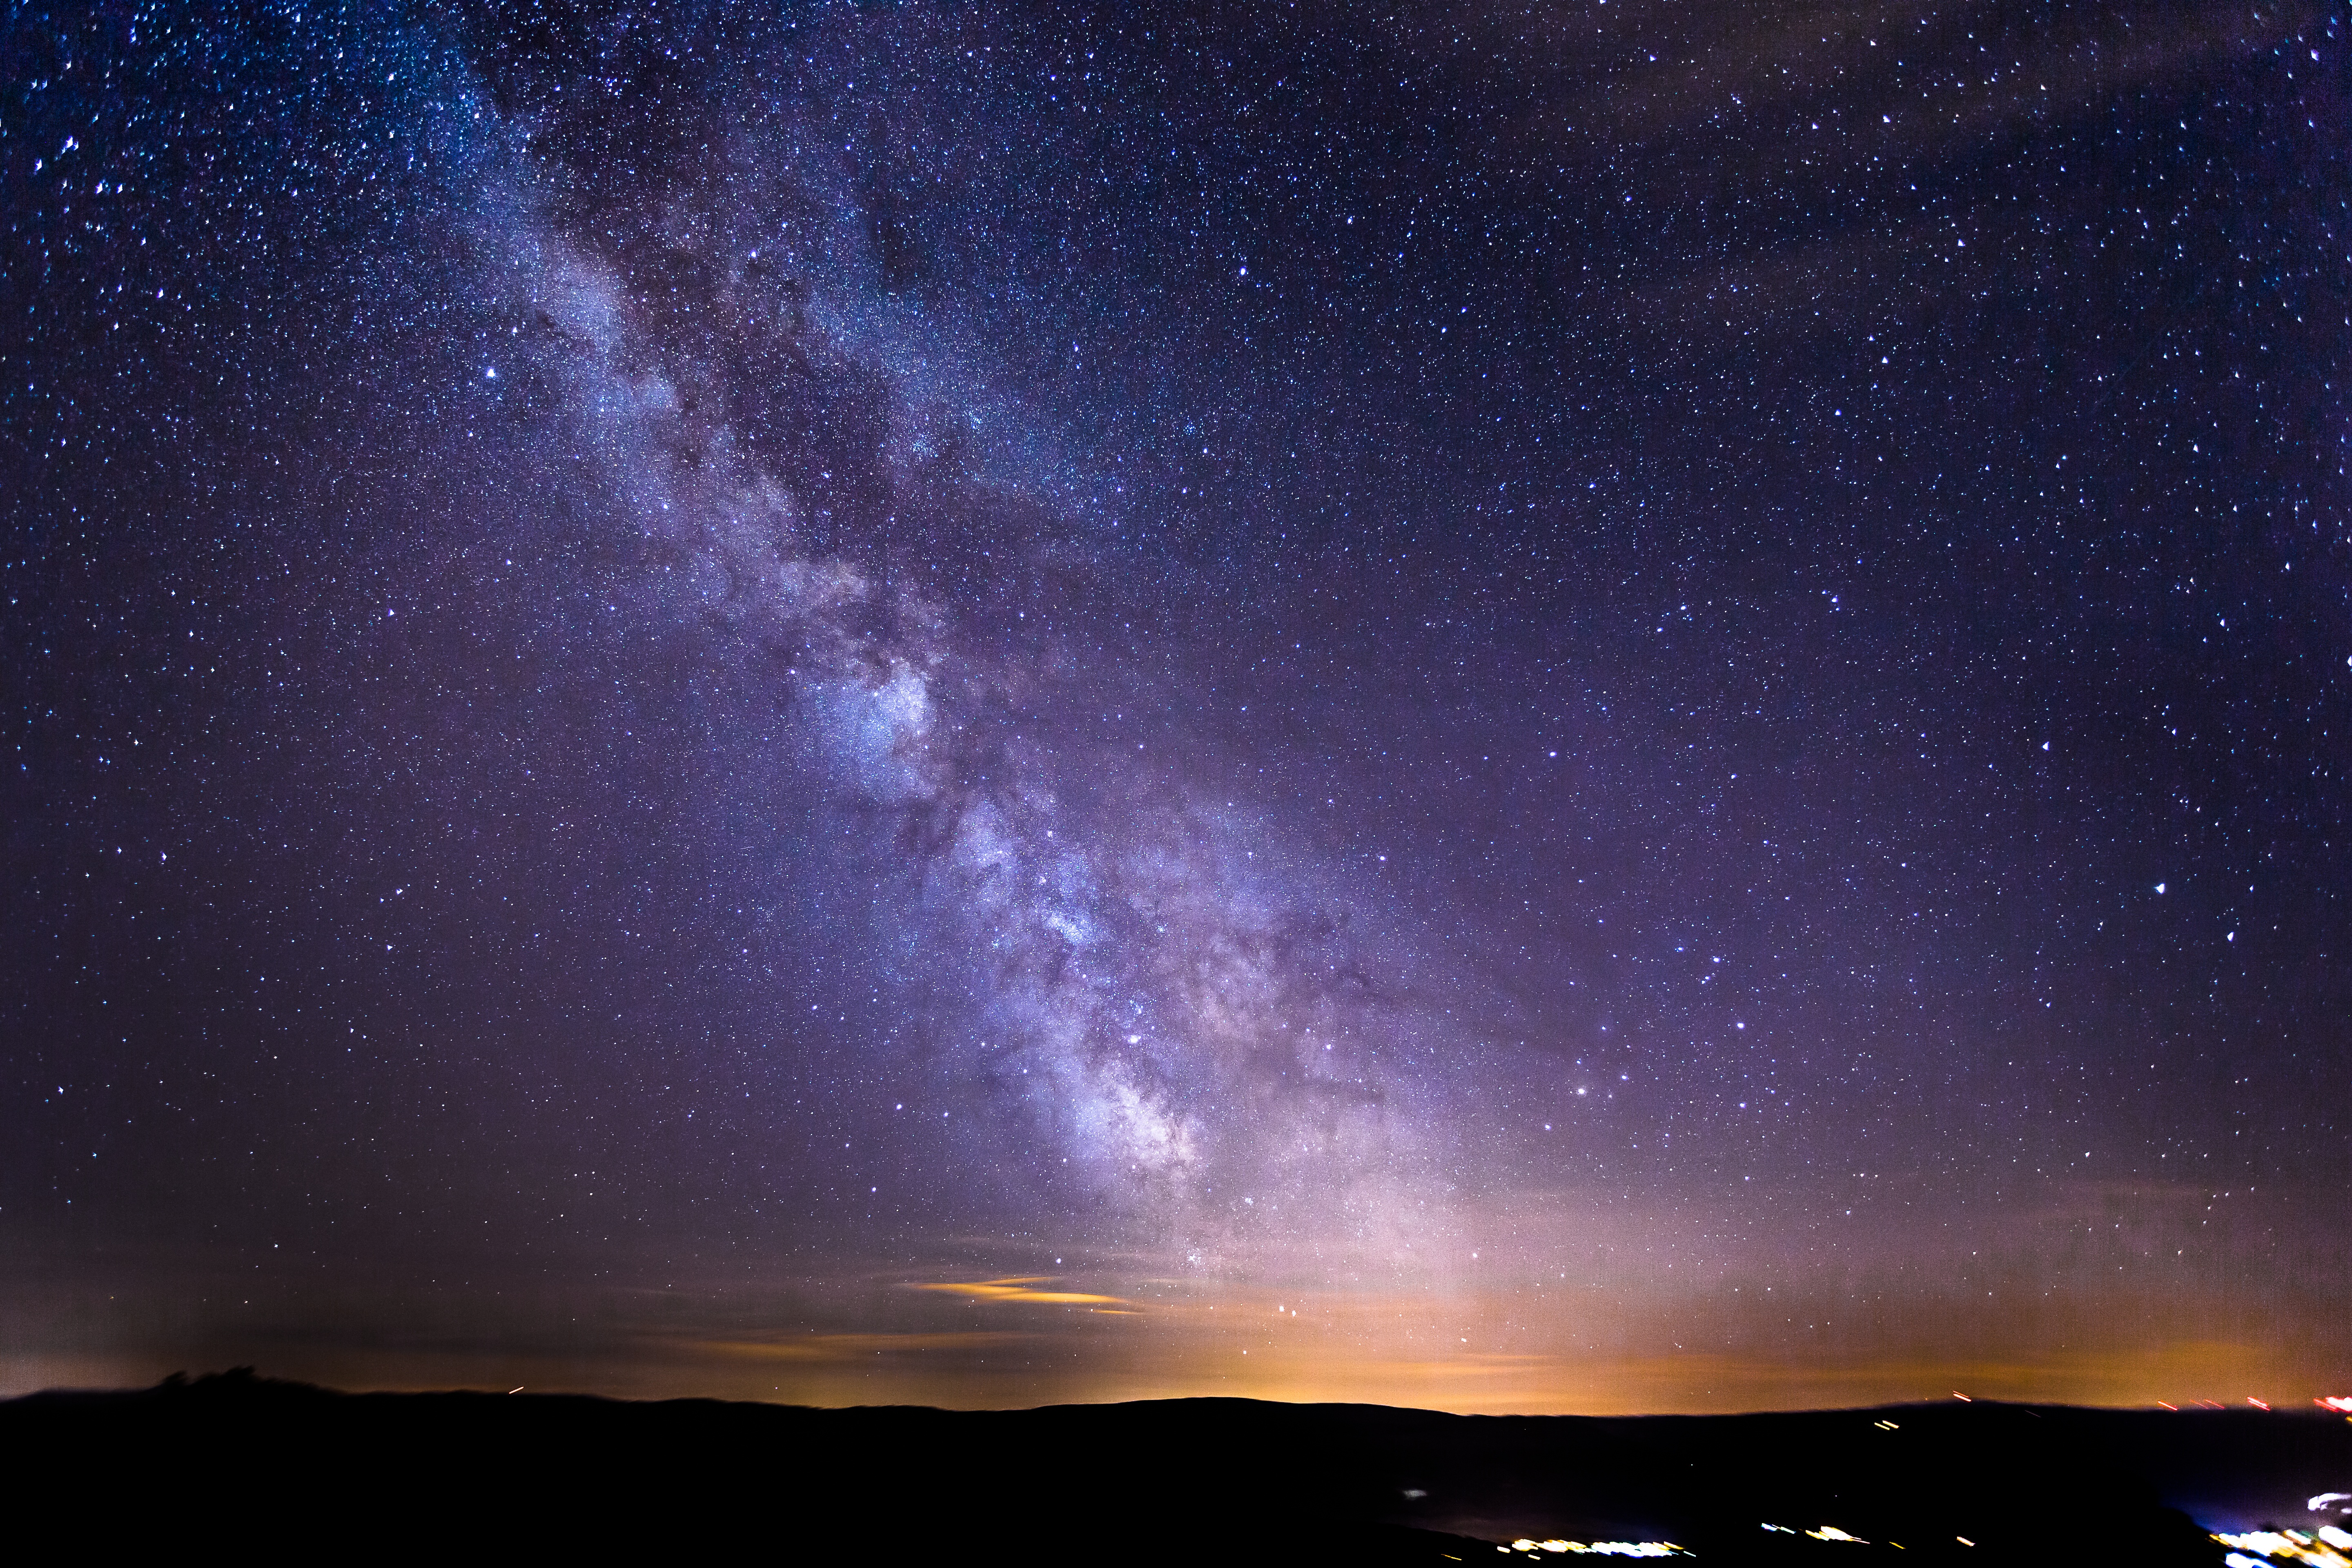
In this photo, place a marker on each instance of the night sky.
(1592, 706)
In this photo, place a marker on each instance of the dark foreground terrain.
(280, 1469)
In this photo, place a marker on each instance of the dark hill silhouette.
(285, 1468)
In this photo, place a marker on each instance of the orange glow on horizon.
(1018, 1289)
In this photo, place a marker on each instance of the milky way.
(1646, 709)
(1169, 998)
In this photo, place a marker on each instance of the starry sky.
(1604, 705)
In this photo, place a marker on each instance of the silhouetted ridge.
(1128, 1482)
